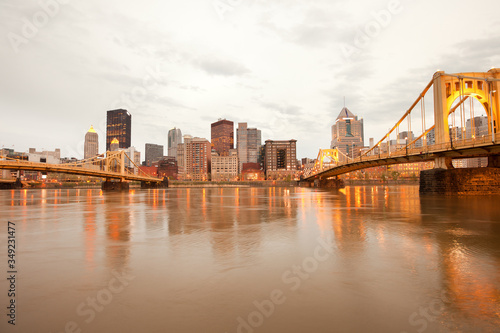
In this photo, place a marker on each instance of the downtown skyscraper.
(91, 145)
(174, 138)
(248, 144)
(222, 133)
(119, 126)
(347, 133)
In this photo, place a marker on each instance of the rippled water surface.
(363, 259)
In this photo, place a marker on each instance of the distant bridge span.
(111, 167)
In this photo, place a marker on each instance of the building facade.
(222, 134)
(153, 153)
(198, 158)
(248, 144)
(167, 167)
(348, 134)
(225, 168)
(119, 126)
(252, 172)
(174, 139)
(50, 157)
(280, 159)
(181, 157)
(91, 145)
(115, 145)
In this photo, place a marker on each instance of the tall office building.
(280, 159)
(174, 138)
(248, 144)
(347, 133)
(119, 126)
(181, 156)
(91, 146)
(222, 136)
(198, 158)
(154, 153)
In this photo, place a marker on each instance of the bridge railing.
(413, 151)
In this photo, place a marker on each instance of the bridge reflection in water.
(202, 257)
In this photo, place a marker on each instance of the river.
(360, 259)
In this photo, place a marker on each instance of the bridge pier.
(11, 185)
(115, 186)
(162, 184)
(494, 161)
(462, 181)
(329, 183)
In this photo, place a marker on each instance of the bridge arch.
(449, 88)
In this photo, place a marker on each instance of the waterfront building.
(119, 126)
(410, 170)
(348, 134)
(280, 159)
(181, 156)
(50, 157)
(252, 172)
(151, 171)
(198, 158)
(222, 133)
(167, 167)
(91, 145)
(248, 142)
(225, 168)
(174, 139)
(153, 153)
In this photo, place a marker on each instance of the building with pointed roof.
(91, 146)
(348, 133)
(115, 145)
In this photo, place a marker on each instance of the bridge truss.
(116, 165)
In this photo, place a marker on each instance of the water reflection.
(202, 256)
(468, 242)
(117, 225)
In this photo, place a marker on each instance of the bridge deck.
(480, 147)
(69, 169)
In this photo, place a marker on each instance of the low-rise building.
(225, 168)
(46, 156)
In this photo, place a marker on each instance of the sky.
(282, 66)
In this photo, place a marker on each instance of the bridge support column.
(470, 181)
(11, 185)
(329, 183)
(494, 161)
(162, 184)
(115, 186)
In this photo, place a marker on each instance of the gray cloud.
(216, 66)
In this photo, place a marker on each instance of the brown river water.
(245, 260)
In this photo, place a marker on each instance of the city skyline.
(288, 64)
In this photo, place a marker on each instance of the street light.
(406, 146)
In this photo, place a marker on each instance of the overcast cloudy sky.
(283, 66)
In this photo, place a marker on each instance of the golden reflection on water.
(391, 247)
